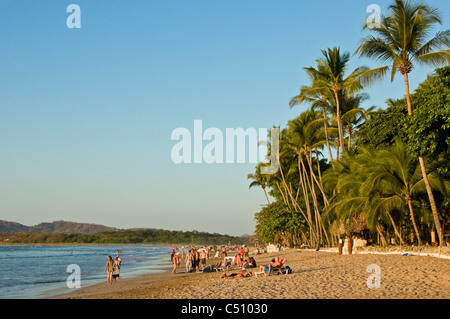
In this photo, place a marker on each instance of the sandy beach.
(323, 275)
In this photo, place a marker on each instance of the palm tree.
(330, 76)
(319, 100)
(258, 180)
(348, 202)
(401, 38)
(398, 176)
(353, 115)
(304, 134)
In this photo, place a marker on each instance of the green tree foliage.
(277, 223)
(427, 130)
(144, 236)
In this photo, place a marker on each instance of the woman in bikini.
(109, 267)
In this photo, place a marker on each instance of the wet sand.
(324, 275)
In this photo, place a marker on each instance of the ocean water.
(32, 272)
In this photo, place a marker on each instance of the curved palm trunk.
(395, 229)
(282, 194)
(382, 238)
(265, 193)
(326, 134)
(303, 178)
(432, 202)
(294, 203)
(313, 178)
(413, 220)
(424, 173)
(339, 122)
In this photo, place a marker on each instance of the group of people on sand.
(228, 263)
(196, 258)
(276, 263)
(112, 268)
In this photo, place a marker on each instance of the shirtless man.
(203, 258)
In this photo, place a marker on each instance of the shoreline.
(316, 274)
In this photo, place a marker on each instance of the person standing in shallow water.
(109, 268)
(176, 261)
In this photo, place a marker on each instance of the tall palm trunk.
(304, 178)
(349, 132)
(265, 193)
(326, 134)
(437, 222)
(408, 97)
(282, 194)
(318, 166)
(337, 150)
(313, 178)
(289, 194)
(424, 173)
(314, 197)
(339, 121)
(413, 220)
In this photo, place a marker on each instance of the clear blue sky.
(86, 114)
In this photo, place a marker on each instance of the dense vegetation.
(144, 236)
(349, 170)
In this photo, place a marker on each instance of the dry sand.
(324, 275)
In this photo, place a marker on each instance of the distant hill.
(12, 227)
(55, 227)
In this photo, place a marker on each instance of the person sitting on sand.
(275, 262)
(240, 274)
(249, 263)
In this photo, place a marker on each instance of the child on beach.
(117, 263)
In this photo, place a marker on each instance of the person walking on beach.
(176, 262)
(172, 254)
(117, 263)
(109, 268)
(189, 259)
(195, 258)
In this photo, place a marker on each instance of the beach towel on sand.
(209, 268)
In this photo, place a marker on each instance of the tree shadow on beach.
(314, 269)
